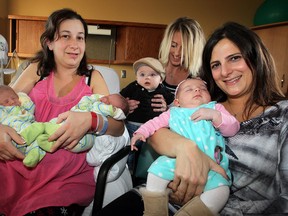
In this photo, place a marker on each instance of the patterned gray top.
(258, 156)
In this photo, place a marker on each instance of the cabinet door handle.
(282, 81)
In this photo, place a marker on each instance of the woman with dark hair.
(45, 57)
(55, 80)
(241, 74)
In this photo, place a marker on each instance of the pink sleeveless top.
(49, 106)
(60, 179)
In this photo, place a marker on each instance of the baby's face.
(116, 100)
(192, 93)
(112, 99)
(9, 98)
(148, 78)
(107, 99)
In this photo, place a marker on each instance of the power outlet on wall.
(123, 73)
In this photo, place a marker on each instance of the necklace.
(232, 111)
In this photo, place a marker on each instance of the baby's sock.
(44, 143)
(42, 139)
(30, 133)
(33, 155)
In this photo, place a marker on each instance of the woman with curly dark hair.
(55, 80)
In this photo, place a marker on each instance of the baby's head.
(191, 93)
(149, 73)
(8, 97)
(116, 100)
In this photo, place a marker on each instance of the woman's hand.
(72, 130)
(133, 104)
(159, 103)
(192, 167)
(7, 150)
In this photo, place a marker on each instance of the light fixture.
(96, 30)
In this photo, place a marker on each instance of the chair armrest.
(102, 177)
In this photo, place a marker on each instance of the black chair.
(139, 174)
(102, 177)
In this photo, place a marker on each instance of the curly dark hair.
(45, 57)
(265, 90)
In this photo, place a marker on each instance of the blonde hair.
(193, 41)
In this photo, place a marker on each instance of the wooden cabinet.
(134, 42)
(131, 40)
(25, 35)
(275, 37)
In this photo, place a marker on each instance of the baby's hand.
(135, 138)
(206, 114)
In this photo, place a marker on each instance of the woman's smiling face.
(229, 69)
(68, 45)
(176, 49)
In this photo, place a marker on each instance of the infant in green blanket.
(17, 111)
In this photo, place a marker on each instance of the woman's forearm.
(192, 165)
(167, 142)
(115, 127)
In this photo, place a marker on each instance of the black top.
(144, 112)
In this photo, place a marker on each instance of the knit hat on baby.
(150, 62)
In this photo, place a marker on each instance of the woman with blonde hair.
(180, 53)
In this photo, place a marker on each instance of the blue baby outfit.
(206, 137)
